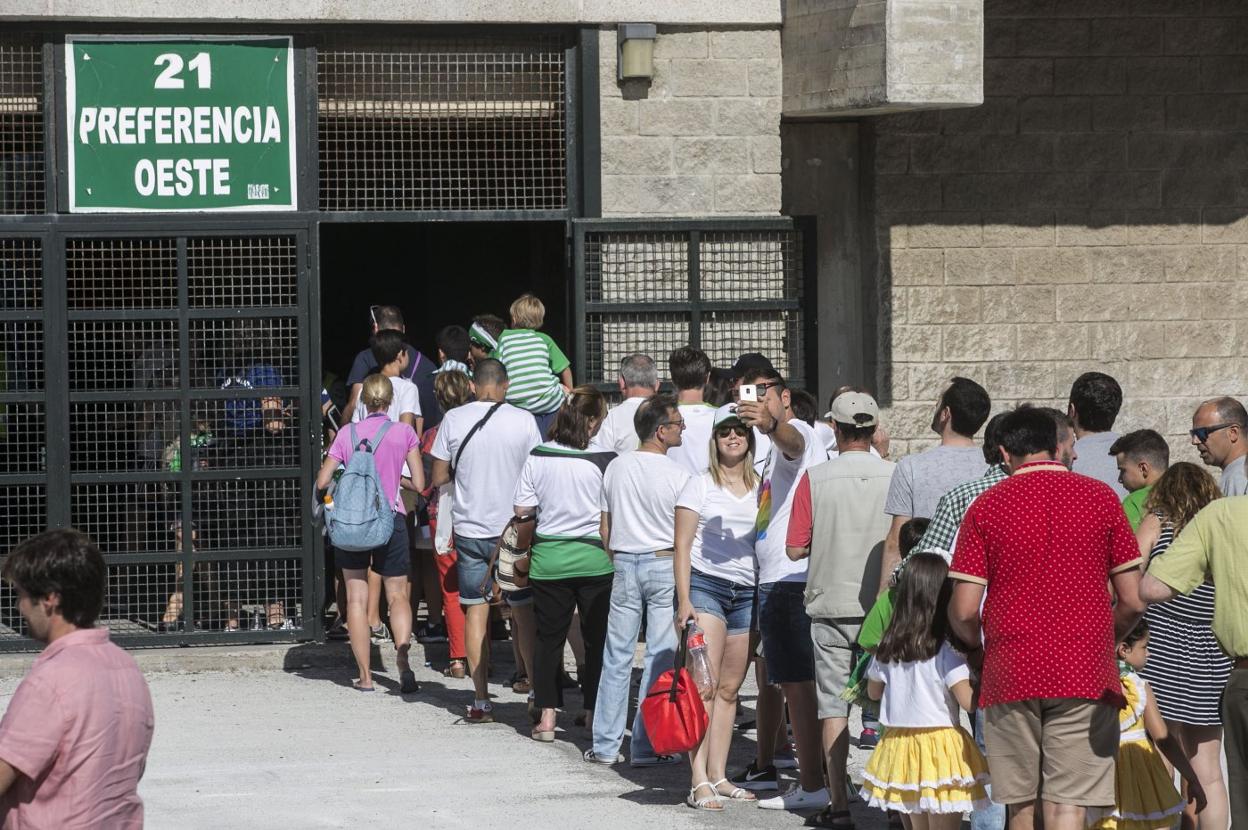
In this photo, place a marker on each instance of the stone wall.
(704, 137)
(1092, 214)
(858, 57)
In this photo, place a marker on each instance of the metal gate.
(167, 372)
(724, 286)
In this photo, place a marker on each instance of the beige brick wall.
(704, 138)
(1092, 214)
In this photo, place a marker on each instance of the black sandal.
(827, 817)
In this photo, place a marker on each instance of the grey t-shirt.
(1095, 461)
(1235, 477)
(920, 480)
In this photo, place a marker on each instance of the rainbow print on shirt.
(764, 511)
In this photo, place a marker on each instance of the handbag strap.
(475, 428)
(682, 653)
(493, 563)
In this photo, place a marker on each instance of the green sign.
(180, 123)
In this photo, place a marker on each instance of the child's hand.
(1196, 793)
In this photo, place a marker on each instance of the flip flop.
(355, 684)
(705, 802)
(546, 736)
(407, 683)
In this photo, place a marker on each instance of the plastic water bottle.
(699, 663)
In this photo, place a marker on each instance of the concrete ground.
(283, 740)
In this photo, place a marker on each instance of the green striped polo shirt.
(533, 364)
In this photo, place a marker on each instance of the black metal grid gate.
(169, 372)
(159, 376)
(724, 286)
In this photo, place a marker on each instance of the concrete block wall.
(856, 57)
(704, 137)
(1092, 214)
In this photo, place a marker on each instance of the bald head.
(1220, 431)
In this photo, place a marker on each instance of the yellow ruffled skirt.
(935, 770)
(1145, 797)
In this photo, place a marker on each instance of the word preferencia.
(180, 125)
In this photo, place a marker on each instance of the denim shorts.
(785, 629)
(731, 602)
(472, 565)
(391, 559)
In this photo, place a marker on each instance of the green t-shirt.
(1133, 505)
(533, 364)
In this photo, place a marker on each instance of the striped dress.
(533, 363)
(1186, 667)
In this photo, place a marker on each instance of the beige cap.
(855, 409)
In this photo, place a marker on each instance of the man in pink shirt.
(74, 740)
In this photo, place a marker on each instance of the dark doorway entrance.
(439, 273)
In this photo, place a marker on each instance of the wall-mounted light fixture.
(635, 50)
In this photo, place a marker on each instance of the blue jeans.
(643, 583)
(994, 817)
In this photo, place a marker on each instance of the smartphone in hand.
(747, 393)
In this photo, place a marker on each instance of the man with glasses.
(639, 493)
(1220, 434)
(782, 619)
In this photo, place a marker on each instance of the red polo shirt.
(1045, 542)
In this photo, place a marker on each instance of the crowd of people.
(838, 576)
(1046, 627)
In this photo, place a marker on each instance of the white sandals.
(737, 793)
(705, 802)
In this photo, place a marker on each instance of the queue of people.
(801, 551)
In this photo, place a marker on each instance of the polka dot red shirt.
(1045, 542)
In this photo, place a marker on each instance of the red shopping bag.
(673, 712)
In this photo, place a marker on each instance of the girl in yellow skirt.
(926, 765)
(1145, 797)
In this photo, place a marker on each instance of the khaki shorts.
(834, 661)
(1062, 750)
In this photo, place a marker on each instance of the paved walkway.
(299, 748)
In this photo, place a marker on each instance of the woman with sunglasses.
(715, 586)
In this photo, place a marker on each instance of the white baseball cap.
(856, 409)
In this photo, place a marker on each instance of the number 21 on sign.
(169, 78)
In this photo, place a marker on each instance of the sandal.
(546, 736)
(458, 669)
(355, 684)
(736, 794)
(827, 817)
(705, 802)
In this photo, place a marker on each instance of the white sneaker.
(797, 799)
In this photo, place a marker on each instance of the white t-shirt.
(723, 545)
(640, 490)
(694, 452)
(565, 485)
(916, 694)
(776, 502)
(485, 480)
(762, 450)
(406, 399)
(617, 433)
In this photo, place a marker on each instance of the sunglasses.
(1202, 434)
(735, 429)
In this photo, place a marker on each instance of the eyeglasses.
(680, 424)
(763, 387)
(735, 429)
(1202, 434)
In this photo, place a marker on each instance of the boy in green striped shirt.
(540, 373)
